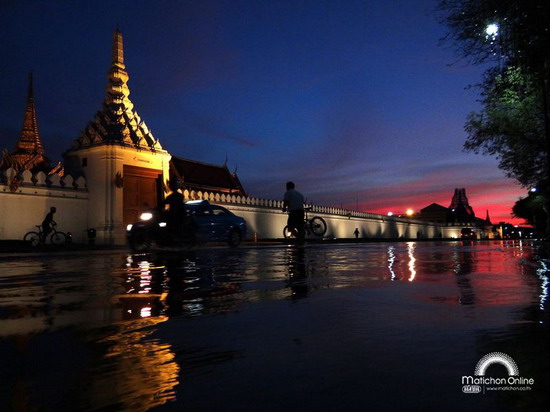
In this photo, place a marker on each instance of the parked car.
(204, 222)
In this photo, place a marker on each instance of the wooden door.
(140, 192)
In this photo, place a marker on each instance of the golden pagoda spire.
(29, 140)
(117, 122)
(117, 78)
(29, 152)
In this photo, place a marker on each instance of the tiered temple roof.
(200, 176)
(29, 151)
(117, 122)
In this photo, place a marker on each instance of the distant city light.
(410, 212)
(390, 213)
(492, 31)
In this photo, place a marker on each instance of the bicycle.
(37, 238)
(316, 226)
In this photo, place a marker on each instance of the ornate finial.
(118, 49)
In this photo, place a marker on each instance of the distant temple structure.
(29, 151)
(459, 212)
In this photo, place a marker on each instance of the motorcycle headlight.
(146, 216)
(129, 227)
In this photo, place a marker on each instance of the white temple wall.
(26, 207)
(79, 210)
(268, 223)
(265, 220)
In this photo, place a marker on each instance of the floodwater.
(370, 326)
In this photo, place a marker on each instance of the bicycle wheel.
(289, 233)
(318, 226)
(58, 238)
(33, 238)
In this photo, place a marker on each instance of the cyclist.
(293, 201)
(48, 222)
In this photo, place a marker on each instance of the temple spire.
(117, 122)
(29, 139)
(487, 218)
(118, 49)
(29, 152)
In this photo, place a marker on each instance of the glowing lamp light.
(410, 212)
(492, 30)
(390, 213)
(533, 190)
(146, 216)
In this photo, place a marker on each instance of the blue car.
(203, 223)
(215, 223)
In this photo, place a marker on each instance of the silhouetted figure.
(174, 209)
(356, 233)
(48, 222)
(293, 201)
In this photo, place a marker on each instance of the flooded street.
(371, 326)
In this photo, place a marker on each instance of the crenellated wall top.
(278, 204)
(26, 178)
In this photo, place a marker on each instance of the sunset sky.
(355, 101)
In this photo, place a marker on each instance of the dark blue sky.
(353, 100)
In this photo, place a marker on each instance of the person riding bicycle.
(48, 222)
(293, 201)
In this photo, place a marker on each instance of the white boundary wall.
(266, 220)
(27, 206)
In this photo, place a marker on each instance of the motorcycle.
(154, 227)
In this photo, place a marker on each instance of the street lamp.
(410, 212)
(492, 31)
(390, 213)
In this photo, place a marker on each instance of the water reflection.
(137, 372)
(297, 271)
(391, 261)
(142, 330)
(412, 260)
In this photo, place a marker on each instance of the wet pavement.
(371, 326)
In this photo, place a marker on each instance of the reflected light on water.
(142, 371)
(412, 260)
(541, 273)
(391, 261)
